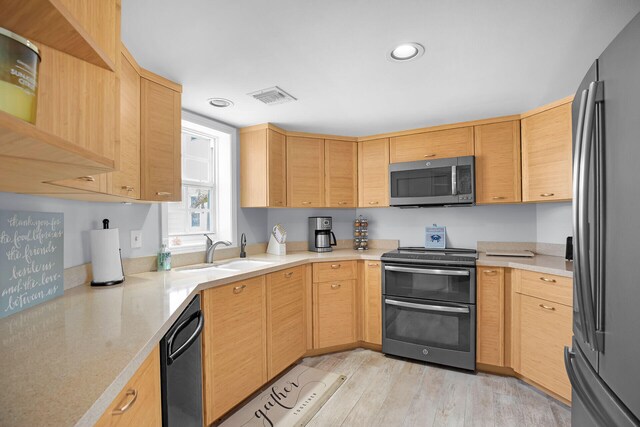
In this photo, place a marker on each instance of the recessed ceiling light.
(406, 52)
(220, 102)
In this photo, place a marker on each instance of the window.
(207, 180)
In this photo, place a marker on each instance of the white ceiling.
(483, 58)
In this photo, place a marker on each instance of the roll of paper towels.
(105, 257)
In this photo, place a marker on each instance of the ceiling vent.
(272, 96)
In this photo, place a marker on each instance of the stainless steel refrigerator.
(604, 361)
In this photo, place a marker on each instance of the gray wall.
(80, 217)
(553, 222)
(465, 225)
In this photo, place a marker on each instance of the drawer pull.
(490, 272)
(373, 264)
(163, 193)
(547, 307)
(87, 178)
(544, 279)
(429, 155)
(374, 202)
(238, 289)
(547, 194)
(336, 266)
(289, 274)
(498, 198)
(128, 188)
(124, 408)
(336, 286)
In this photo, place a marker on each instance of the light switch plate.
(136, 239)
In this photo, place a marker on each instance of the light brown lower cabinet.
(234, 344)
(490, 317)
(138, 404)
(334, 313)
(286, 325)
(524, 323)
(372, 303)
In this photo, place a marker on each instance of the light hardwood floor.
(386, 391)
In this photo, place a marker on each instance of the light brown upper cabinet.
(263, 169)
(497, 151)
(432, 145)
(341, 173)
(305, 172)
(161, 160)
(373, 173)
(126, 181)
(546, 155)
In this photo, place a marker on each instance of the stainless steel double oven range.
(429, 305)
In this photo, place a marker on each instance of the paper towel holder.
(105, 226)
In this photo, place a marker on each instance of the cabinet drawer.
(295, 274)
(338, 270)
(138, 404)
(547, 286)
(545, 330)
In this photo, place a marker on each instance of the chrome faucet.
(243, 246)
(211, 247)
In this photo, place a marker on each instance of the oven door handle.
(427, 307)
(427, 271)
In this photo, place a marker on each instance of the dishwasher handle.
(173, 355)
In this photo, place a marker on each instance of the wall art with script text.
(31, 259)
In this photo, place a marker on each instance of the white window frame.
(225, 182)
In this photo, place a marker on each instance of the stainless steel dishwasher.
(181, 369)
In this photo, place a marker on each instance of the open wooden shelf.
(49, 22)
(36, 156)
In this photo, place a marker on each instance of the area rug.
(289, 402)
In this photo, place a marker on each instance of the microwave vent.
(272, 96)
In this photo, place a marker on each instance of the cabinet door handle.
(374, 202)
(490, 272)
(87, 178)
(373, 264)
(163, 193)
(429, 155)
(544, 279)
(342, 203)
(128, 188)
(133, 393)
(547, 307)
(336, 286)
(547, 194)
(289, 274)
(306, 203)
(238, 289)
(335, 266)
(498, 198)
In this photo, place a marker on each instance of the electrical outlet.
(136, 239)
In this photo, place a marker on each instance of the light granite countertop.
(63, 362)
(539, 263)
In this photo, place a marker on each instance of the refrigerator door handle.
(585, 281)
(576, 202)
(173, 355)
(578, 388)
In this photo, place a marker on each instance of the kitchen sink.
(235, 265)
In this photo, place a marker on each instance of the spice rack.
(361, 233)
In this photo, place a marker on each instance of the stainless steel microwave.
(440, 182)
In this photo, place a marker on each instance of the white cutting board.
(512, 253)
